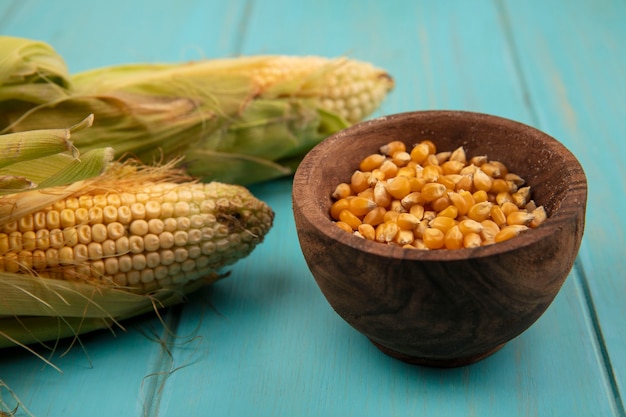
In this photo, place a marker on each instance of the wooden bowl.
(442, 308)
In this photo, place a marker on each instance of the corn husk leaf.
(225, 123)
(45, 158)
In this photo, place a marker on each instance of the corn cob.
(236, 120)
(115, 246)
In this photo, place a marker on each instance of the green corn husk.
(239, 120)
(36, 159)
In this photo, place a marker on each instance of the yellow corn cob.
(111, 247)
(236, 120)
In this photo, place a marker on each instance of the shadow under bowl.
(442, 308)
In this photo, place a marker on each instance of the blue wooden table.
(264, 342)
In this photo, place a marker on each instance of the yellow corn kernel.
(540, 216)
(499, 186)
(504, 170)
(472, 240)
(417, 210)
(371, 162)
(462, 205)
(406, 171)
(514, 178)
(482, 181)
(431, 160)
(442, 223)
(368, 194)
(433, 191)
(467, 226)
(367, 231)
(459, 155)
(396, 205)
(508, 208)
(480, 211)
(404, 237)
(503, 197)
(521, 196)
(390, 216)
(392, 147)
(430, 173)
(417, 183)
(452, 167)
(360, 206)
(344, 226)
(420, 152)
(468, 170)
(447, 181)
(480, 196)
(349, 218)
(342, 190)
(519, 218)
(443, 156)
(382, 198)
(491, 169)
(375, 216)
(388, 168)
(407, 221)
(433, 238)
(497, 215)
(358, 181)
(432, 148)
(337, 207)
(509, 232)
(489, 230)
(440, 204)
(419, 244)
(451, 211)
(401, 158)
(478, 160)
(453, 238)
(464, 183)
(530, 206)
(386, 232)
(398, 187)
(420, 229)
(374, 176)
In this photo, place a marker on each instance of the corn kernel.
(404, 237)
(375, 216)
(442, 223)
(358, 182)
(367, 231)
(458, 155)
(398, 187)
(407, 221)
(420, 152)
(350, 219)
(392, 147)
(337, 207)
(470, 226)
(519, 218)
(433, 191)
(509, 232)
(371, 162)
(472, 240)
(540, 216)
(433, 238)
(480, 211)
(401, 158)
(342, 190)
(360, 206)
(453, 238)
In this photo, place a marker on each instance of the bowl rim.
(303, 197)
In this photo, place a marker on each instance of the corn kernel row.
(420, 198)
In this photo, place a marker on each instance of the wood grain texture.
(265, 342)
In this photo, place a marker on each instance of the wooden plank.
(574, 67)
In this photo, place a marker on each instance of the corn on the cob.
(237, 120)
(108, 248)
(434, 203)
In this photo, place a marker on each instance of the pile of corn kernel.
(420, 198)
